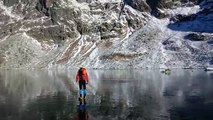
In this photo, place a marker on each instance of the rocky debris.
(190, 17)
(199, 21)
(81, 1)
(159, 7)
(199, 37)
(154, 4)
(42, 7)
(183, 18)
(10, 2)
(166, 71)
(121, 56)
(140, 5)
(20, 50)
(171, 45)
(110, 30)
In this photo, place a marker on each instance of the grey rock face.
(90, 33)
(42, 6)
(10, 2)
(140, 5)
(159, 4)
(81, 1)
(155, 5)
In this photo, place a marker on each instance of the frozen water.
(112, 94)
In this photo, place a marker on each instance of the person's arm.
(77, 77)
(87, 78)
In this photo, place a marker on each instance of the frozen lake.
(112, 95)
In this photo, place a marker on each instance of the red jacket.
(84, 75)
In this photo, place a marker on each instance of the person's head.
(82, 71)
(81, 68)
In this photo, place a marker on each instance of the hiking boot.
(80, 99)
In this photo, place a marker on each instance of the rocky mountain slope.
(105, 33)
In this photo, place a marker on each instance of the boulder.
(198, 37)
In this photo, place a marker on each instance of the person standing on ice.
(83, 79)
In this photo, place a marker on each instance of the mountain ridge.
(100, 34)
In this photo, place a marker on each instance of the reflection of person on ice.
(82, 78)
(82, 114)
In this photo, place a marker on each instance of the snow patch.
(183, 10)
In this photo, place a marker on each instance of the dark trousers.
(82, 86)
